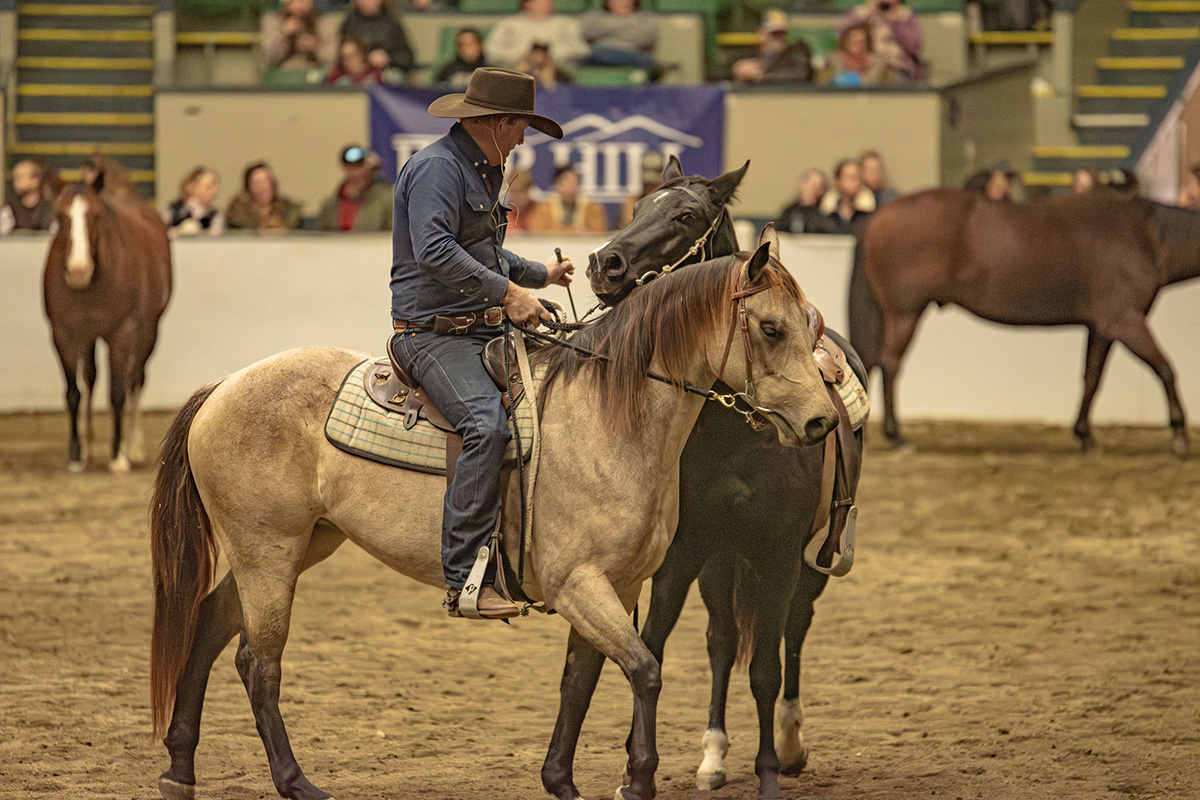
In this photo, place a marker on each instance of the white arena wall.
(238, 299)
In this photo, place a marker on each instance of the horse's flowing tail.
(745, 611)
(866, 319)
(184, 556)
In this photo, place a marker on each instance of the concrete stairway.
(1143, 59)
(84, 72)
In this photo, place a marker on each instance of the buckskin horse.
(1097, 260)
(107, 276)
(245, 466)
(747, 506)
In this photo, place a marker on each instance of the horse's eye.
(686, 217)
(770, 331)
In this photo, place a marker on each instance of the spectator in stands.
(382, 35)
(854, 62)
(652, 170)
(896, 35)
(259, 206)
(567, 211)
(804, 214)
(542, 66)
(1085, 180)
(468, 57)
(622, 35)
(520, 201)
(353, 66)
(513, 38)
(361, 202)
(193, 212)
(777, 61)
(848, 206)
(1189, 189)
(28, 207)
(994, 182)
(297, 43)
(875, 178)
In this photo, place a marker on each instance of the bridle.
(698, 246)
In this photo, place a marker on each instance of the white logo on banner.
(609, 168)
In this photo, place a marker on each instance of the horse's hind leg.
(1098, 348)
(789, 734)
(118, 389)
(716, 588)
(220, 620)
(897, 335)
(765, 680)
(1136, 335)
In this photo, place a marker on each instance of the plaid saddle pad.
(359, 426)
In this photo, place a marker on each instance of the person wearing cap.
(777, 61)
(453, 283)
(361, 202)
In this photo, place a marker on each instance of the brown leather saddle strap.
(837, 495)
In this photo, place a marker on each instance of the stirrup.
(468, 601)
(846, 553)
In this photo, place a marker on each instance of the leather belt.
(455, 326)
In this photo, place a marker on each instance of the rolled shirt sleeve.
(433, 194)
(524, 272)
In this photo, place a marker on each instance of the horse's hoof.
(75, 467)
(119, 465)
(627, 793)
(173, 790)
(1087, 445)
(707, 781)
(770, 791)
(1179, 445)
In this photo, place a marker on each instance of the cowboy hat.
(494, 91)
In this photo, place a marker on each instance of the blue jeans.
(450, 370)
(612, 57)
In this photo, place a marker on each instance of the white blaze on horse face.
(79, 257)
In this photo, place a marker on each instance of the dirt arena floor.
(1022, 622)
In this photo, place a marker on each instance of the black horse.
(747, 505)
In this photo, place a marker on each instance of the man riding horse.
(453, 283)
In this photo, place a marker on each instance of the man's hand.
(559, 272)
(522, 307)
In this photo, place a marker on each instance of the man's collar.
(468, 146)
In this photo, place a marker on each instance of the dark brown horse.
(1097, 260)
(108, 276)
(746, 505)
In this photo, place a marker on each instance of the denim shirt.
(447, 253)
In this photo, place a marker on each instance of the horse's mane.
(663, 321)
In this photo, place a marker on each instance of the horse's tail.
(745, 611)
(866, 319)
(184, 556)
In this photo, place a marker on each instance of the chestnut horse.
(1097, 260)
(108, 276)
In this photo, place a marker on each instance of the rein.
(697, 248)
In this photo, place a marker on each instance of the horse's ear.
(722, 189)
(98, 183)
(770, 238)
(757, 263)
(672, 170)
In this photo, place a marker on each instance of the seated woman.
(193, 212)
(468, 57)
(854, 63)
(513, 38)
(296, 45)
(259, 206)
(896, 35)
(622, 35)
(352, 67)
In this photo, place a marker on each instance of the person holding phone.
(896, 35)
